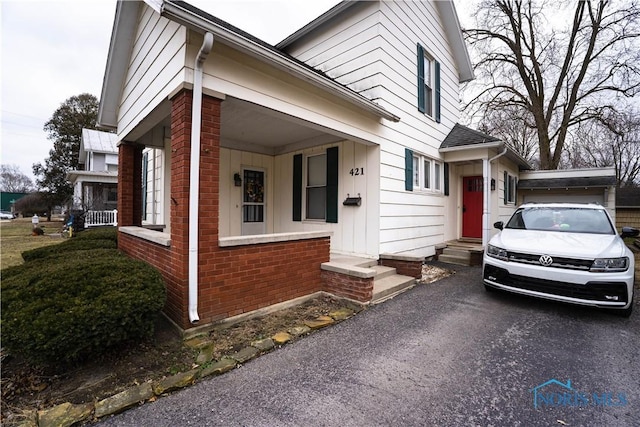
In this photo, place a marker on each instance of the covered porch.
(271, 193)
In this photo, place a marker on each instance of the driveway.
(443, 354)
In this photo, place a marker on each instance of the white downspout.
(194, 176)
(486, 197)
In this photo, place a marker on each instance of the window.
(428, 92)
(316, 186)
(427, 173)
(428, 84)
(510, 188)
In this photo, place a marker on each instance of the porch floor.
(386, 283)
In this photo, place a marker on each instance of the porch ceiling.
(250, 127)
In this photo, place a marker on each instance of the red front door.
(472, 206)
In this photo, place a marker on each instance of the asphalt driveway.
(443, 354)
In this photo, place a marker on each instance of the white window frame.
(430, 180)
(429, 98)
(307, 187)
(510, 185)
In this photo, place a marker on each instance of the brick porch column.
(180, 187)
(130, 184)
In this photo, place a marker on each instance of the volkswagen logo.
(545, 260)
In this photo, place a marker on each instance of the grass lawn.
(15, 238)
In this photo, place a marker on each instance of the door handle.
(464, 208)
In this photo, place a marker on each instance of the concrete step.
(456, 252)
(452, 259)
(355, 261)
(390, 286)
(382, 271)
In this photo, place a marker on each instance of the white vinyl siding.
(372, 50)
(155, 69)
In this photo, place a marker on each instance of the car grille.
(593, 291)
(558, 262)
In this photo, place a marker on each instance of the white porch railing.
(100, 218)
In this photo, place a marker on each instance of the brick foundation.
(343, 285)
(406, 268)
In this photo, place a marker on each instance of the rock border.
(68, 414)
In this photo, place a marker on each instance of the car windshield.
(561, 219)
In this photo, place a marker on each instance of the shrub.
(66, 312)
(71, 245)
(103, 233)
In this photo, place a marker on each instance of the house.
(95, 182)
(253, 174)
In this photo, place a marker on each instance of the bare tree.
(12, 180)
(560, 75)
(515, 127)
(612, 141)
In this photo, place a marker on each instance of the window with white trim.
(428, 84)
(427, 173)
(316, 187)
(510, 188)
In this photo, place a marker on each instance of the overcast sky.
(52, 50)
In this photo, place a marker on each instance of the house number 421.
(356, 171)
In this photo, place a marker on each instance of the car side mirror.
(629, 232)
(499, 225)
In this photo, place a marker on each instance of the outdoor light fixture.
(237, 180)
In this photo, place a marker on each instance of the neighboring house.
(95, 183)
(250, 173)
(628, 207)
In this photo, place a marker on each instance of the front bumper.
(608, 290)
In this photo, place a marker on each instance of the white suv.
(563, 252)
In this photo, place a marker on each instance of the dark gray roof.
(627, 197)
(462, 135)
(569, 182)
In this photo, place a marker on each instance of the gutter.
(194, 176)
(486, 196)
(192, 20)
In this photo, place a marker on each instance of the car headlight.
(496, 252)
(610, 264)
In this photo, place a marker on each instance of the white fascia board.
(184, 17)
(456, 40)
(122, 37)
(494, 144)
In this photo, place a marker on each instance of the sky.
(51, 50)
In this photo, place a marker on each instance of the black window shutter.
(506, 187)
(408, 169)
(515, 190)
(297, 187)
(332, 184)
(437, 84)
(446, 179)
(421, 94)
